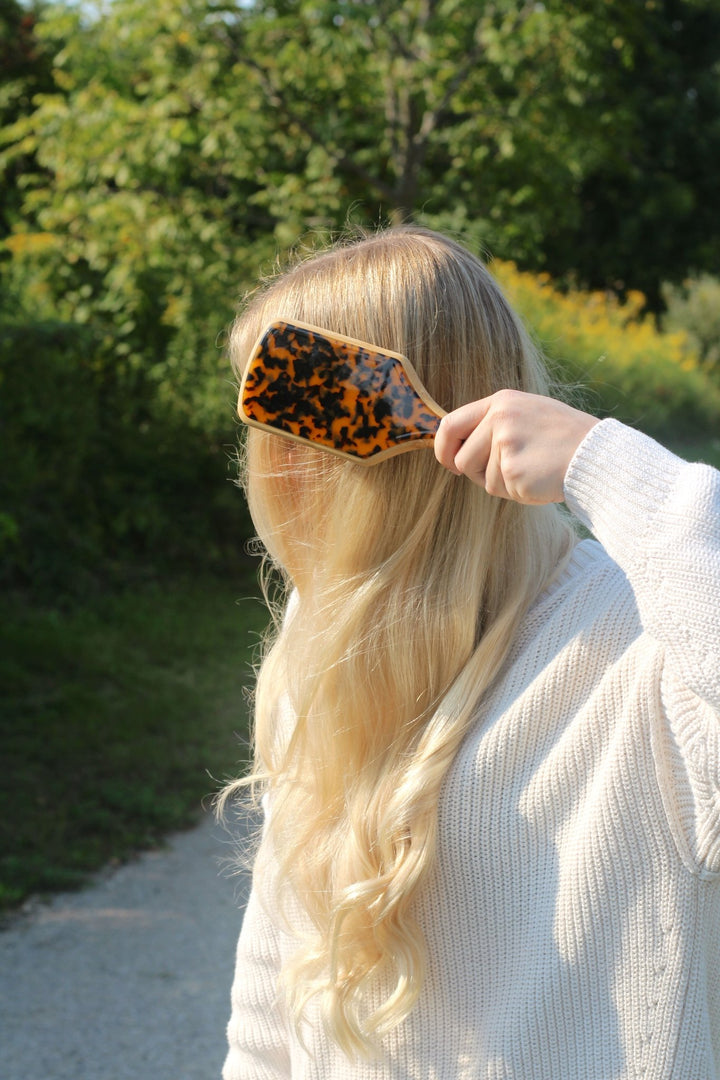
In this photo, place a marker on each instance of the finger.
(455, 428)
(473, 457)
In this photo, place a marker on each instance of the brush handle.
(344, 395)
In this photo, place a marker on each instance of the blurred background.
(156, 159)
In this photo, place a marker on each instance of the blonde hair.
(410, 586)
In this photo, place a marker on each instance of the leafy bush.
(96, 478)
(624, 365)
(694, 307)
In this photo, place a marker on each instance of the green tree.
(463, 114)
(188, 140)
(646, 208)
(135, 241)
(25, 70)
(577, 136)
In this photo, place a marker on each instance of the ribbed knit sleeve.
(658, 517)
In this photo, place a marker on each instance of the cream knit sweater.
(573, 916)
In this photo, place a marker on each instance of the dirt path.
(129, 979)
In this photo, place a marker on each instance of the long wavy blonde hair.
(410, 583)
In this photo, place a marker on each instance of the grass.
(117, 720)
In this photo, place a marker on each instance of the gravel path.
(130, 978)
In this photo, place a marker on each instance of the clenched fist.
(515, 445)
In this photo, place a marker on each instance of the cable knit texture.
(573, 914)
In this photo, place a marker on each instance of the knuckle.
(450, 423)
(506, 400)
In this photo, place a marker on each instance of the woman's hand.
(515, 445)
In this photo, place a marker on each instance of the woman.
(490, 752)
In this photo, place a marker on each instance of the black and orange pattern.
(346, 396)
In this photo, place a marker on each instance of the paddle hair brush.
(348, 397)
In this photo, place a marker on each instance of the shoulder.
(588, 588)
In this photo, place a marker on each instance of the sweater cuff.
(617, 481)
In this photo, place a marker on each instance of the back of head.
(410, 291)
(411, 584)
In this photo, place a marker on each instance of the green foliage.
(694, 307)
(622, 364)
(93, 479)
(646, 206)
(50, 422)
(137, 218)
(186, 141)
(25, 70)
(396, 110)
